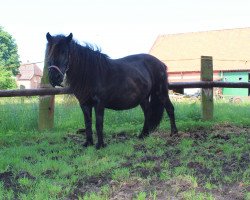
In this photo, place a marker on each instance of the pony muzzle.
(56, 76)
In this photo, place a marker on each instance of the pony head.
(57, 57)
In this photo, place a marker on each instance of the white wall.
(26, 84)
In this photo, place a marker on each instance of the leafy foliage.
(6, 79)
(9, 57)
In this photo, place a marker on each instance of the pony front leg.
(87, 111)
(99, 112)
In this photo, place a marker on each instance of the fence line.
(174, 85)
(47, 99)
(209, 84)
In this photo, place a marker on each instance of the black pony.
(100, 82)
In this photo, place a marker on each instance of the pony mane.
(94, 47)
(86, 68)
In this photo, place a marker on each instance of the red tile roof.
(27, 71)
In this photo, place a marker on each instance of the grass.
(207, 157)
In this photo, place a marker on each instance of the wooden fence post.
(46, 104)
(207, 104)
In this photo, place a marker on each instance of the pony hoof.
(100, 145)
(87, 143)
(81, 131)
(174, 134)
(142, 136)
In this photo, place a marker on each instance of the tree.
(9, 57)
(6, 79)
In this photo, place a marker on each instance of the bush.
(6, 79)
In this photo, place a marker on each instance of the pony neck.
(87, 70)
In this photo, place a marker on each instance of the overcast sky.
(118, 27)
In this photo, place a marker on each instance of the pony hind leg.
(146, 111)
(87, 111)
(170, 111)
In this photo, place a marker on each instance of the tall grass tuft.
(21, 114)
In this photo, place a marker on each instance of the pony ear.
(49, 37)
(69, 37)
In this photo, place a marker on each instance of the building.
(29, 76)
(229, 48)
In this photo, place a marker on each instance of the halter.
(58, 69)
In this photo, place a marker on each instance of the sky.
(117, 27)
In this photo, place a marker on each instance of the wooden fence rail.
(34, 92)
(176, 85)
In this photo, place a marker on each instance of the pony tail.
(156, 112)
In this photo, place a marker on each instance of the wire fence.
(33, 102)
(21, 113)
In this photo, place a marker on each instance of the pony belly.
(122, 104)
(126, 99)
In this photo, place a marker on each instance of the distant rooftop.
(230, 49)
(28, 70)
